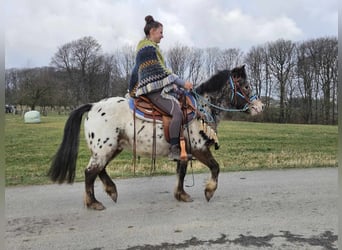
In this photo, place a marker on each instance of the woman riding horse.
(109, 129)
(151, 78)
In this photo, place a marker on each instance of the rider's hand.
(188, 85)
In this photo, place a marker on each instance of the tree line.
(296, 80)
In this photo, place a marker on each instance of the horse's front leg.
(207, 158)
(179, 193)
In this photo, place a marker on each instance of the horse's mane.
(215, 83)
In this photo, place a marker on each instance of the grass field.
(244, 146)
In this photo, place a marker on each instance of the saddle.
(145, 110)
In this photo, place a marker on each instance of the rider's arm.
(184, 84)
(179, 82)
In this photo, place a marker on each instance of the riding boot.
(174, 152)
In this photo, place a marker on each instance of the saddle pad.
(147, 117)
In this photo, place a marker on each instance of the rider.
(151, 77)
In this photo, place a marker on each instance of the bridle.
(238, 92)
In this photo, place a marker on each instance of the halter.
(233, 100)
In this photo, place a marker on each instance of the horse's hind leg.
(96, 165)
(179, 193)
(89, 196)
(207, 158)
(109, 185)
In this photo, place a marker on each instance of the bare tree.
(82, 60)
(305, 78)
(195, 62)
(314, 51)
(36, 87)
(328, 69)
(323, 52)
(256, 66)
(212, 56)
(176, 58)
(334, 91)
(230, 58)
(125, 60)
(281, 62)
(11, 85)
(120, 73)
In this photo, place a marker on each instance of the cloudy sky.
(36, 28)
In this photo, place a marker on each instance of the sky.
(35, 29)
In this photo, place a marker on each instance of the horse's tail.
(63, 165)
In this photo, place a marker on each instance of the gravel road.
(278, 209)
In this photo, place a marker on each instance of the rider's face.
(156, 34)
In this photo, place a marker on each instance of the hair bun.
(149, 19)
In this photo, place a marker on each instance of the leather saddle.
(145, 110)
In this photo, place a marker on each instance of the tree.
(36, 87)
(323, 54)
(176, 58)
(11, 85)
(280, 55)
(327, 73)
(305, 78)
(256, 65)
(195, 62)
(230, 58)
(82, 60)
(125, 60)
(211, 56)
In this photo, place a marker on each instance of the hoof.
(96, 206)
(114, 196)
(208, 194)
(210, 189)
(183, 196)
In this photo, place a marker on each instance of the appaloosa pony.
(110, 128)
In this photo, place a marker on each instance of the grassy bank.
(244, 146)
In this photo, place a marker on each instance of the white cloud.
(281, 27)
(36, 28)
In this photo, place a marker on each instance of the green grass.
(269, 146)
(244, 146)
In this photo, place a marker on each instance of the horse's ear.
(243, 66)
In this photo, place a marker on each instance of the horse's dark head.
(239, 72)
(242, 96)
(230, 90)
(241, 90)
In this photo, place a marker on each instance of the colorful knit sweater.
(149, 73)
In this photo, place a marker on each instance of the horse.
(110, 127)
